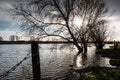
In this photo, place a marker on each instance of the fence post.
(35, 61)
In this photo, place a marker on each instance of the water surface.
(54, 59)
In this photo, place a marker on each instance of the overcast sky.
(9, 26)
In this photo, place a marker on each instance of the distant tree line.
(14, 38)
(1, 39)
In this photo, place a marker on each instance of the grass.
(115, 62)
(104, 74)
(100, 73)
(113, 54)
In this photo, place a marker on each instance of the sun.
(77, 21)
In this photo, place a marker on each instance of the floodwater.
(55, 60)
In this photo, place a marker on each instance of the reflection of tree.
(96, 60)
(84, 59)
(80, 60)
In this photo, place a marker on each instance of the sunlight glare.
(77, 21)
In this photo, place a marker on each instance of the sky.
(9, 26)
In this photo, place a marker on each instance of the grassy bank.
(115, 62)
(113, 54)
(100, 73)
(110, 53)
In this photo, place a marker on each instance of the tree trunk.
(99, 46)
(85, 48)
(74, 39)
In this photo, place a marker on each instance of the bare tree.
(88, 11)
(99, 33)
(55, 18)
(48, 18)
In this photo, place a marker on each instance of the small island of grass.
(113, 53)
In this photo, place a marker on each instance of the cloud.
(114, 6)
(5, 14)
(6, 19)
(9, 26)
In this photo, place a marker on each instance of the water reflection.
(55, 60)
(11, 55)
(92, 59)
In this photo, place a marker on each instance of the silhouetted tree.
(89, 12)
(55, 18)
(99, 33)
(48, 18)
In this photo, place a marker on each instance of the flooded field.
(55, 60)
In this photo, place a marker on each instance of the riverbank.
(99, 73)
(113, 53)
(110, 52)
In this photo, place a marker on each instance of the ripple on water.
(54, 58)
